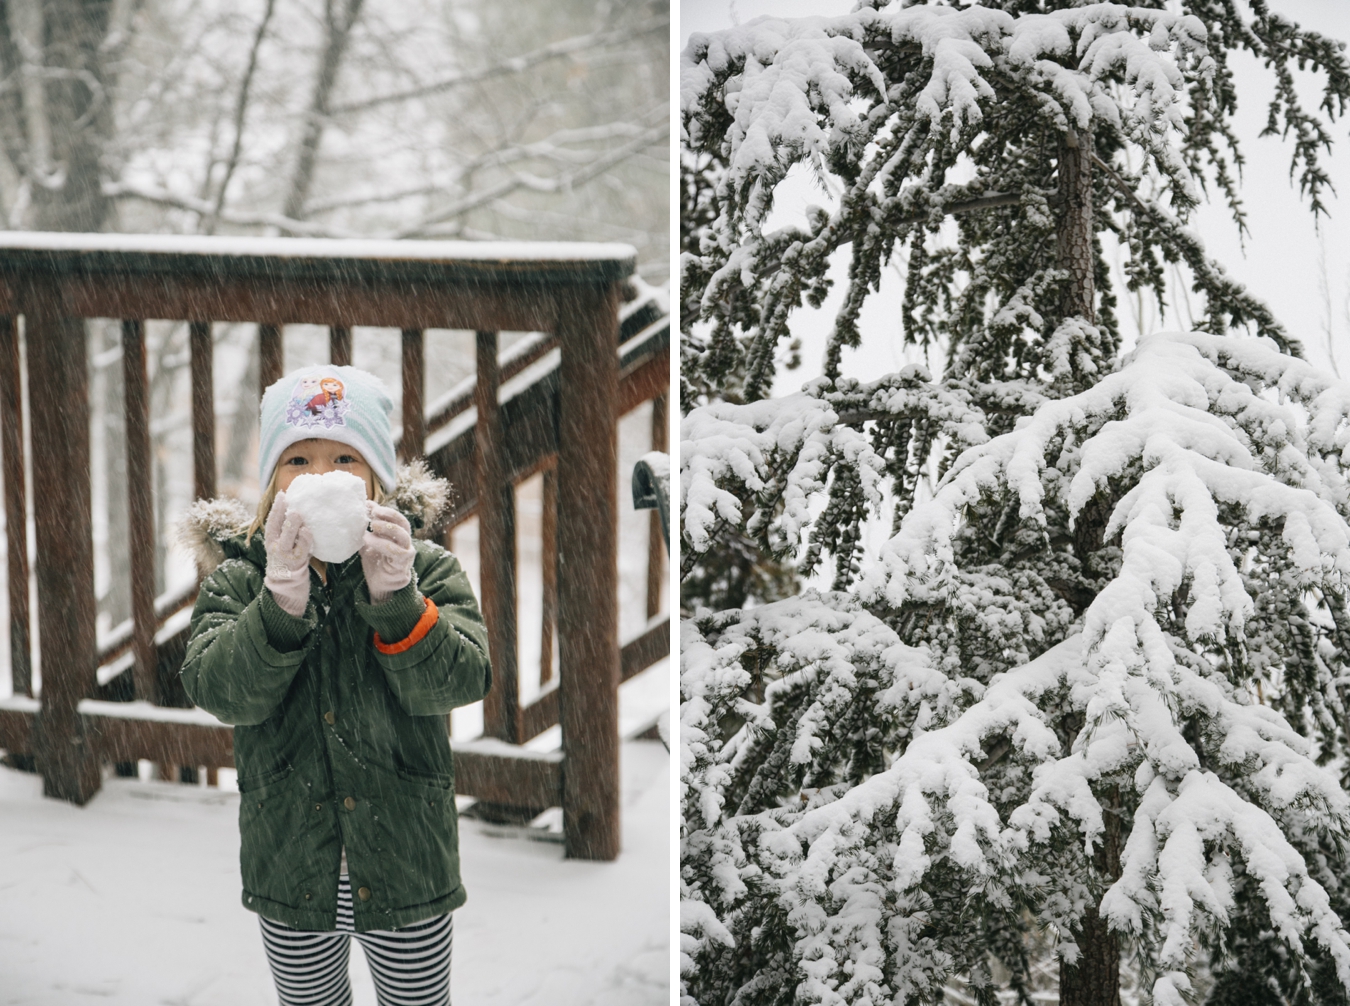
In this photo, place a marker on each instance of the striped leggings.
(411, 966)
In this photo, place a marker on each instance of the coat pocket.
(262, 780)
(416, 840)
(434, 781)
(276, 855)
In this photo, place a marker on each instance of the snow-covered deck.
(345, 259)
(134, 899)
(423, 251)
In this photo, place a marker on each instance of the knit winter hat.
(328, 403)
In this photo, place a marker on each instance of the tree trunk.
(70, 92)
(1074, 245)
(1094, 980)
(340, 17)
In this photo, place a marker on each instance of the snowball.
(333, 506)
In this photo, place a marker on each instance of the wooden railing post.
(656, 544)
(203, 411)
(65, 541)
(548, 533)
(588, 572)
(271, 361)
(496, 550)
(140, 510)
(340, 346)
(16, 507)
(413, 442)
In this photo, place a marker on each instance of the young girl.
(338, 679)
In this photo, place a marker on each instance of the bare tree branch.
(550, 148)
(204, 207)
(598, 166)
(561, 183)
(240, 111)
(555, 50)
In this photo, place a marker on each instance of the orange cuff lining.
(419, 630)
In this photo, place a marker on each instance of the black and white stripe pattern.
(411, 966)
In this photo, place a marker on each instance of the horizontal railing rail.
(647, 348)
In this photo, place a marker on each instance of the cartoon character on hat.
(330, 390)
(318, 400)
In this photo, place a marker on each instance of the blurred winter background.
(417, 119)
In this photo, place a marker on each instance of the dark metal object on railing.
(555, 417)
(651, 488)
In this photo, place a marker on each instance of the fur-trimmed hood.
(209, 525)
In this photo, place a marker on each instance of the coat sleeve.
(243, 650)
(449, 666)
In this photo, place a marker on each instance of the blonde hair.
(269, 497)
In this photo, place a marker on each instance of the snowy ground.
(134, 900)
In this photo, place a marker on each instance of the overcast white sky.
(1282, 261)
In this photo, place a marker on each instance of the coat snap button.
(318, 806)
(349, 803)
(329, 718)
(306, 897)
(364, 894)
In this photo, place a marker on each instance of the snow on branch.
(1185, 439)
(831, 679)
(779, 452)
(1203, 435)
(789, 86)
(867, 847)
(739, 445)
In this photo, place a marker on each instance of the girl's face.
(317, 457)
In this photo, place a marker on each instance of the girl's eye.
(346, 459)
(297, 461)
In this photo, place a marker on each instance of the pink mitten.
(289, 544)
(387, 553)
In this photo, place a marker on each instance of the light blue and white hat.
(329, 403)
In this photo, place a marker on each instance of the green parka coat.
(336, 743)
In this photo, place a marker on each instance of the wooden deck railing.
(549, 404)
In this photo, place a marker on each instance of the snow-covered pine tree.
(1090, 683)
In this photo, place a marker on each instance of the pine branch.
(1223, 292)
(240, 110)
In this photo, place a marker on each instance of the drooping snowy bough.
(1093, 689)
(864, 819)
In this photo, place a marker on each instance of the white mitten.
(387, 553)
(289, 545)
